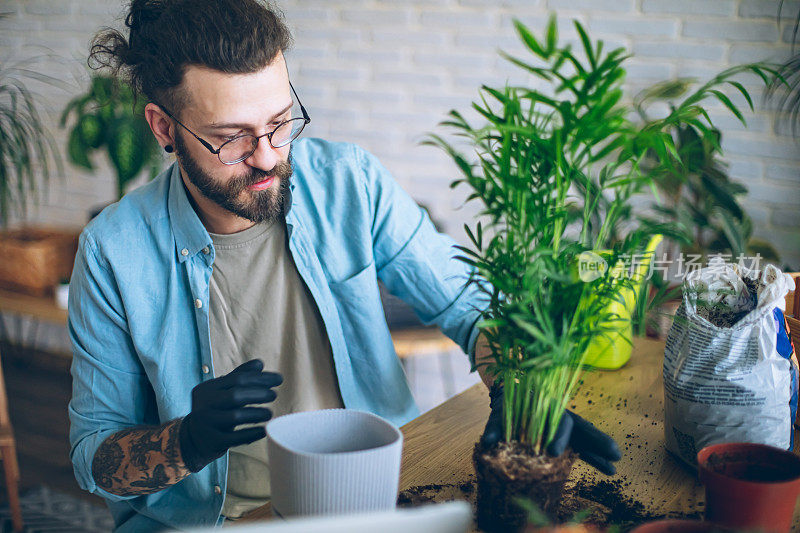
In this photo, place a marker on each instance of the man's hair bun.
(166, 36)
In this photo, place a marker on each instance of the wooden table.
(626, 403)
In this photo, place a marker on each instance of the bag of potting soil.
(730, 371)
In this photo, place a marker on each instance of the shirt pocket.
(376, 368)
(360, 311)
(357, 288)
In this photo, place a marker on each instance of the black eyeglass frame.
(216, 151)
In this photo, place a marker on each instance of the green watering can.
(613, 349)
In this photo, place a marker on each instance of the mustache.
(282, 170)
(256, 175)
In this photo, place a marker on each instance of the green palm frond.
(695, 189)
(27, 150)
(534, 151)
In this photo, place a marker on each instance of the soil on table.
(595, 503)
(438, 493)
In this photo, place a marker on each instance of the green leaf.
(76, 104)
(471, 236)
(490, 323)
(722, 97)
(552, 35)
(764, 249)
(77, 150)
(744, 93)
(540, 72)
(529, 40)
(91, 131)
(725, 199)
(127, 150)
(555, 167)
(732, 231)
(587, 44)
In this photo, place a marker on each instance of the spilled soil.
(593, 502)
(422, 494)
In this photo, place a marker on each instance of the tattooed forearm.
(140, 460)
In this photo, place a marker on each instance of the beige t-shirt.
(260, 308)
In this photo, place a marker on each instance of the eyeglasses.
(240, 148)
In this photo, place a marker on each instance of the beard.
(257, 206)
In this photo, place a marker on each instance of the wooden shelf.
(39, 307)
(414, 342)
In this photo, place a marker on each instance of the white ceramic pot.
(333, 461)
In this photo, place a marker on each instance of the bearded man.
(254, 250)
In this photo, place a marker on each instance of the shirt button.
(206, 370)
(206, 250)
(184, 252)
(198, 303)
(217, 489)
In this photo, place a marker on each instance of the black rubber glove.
(591, 444)
(219, 405)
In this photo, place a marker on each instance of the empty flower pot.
(750, 486)
(334, 461)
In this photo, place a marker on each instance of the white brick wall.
(382, 73)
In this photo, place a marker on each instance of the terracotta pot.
(678, 526)
(750, 486)
(511, 471)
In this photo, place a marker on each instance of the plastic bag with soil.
(730, 372)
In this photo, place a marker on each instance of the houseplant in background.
(696, 192)
(555, 173)
(786, 87)
(696, 189)
(108, 118)
(27, 150)
(34, 258)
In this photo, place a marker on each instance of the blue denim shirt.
(139, 300)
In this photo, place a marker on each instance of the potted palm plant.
(555, 170)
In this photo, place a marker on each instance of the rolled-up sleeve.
(417, 263)
(110, 390)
